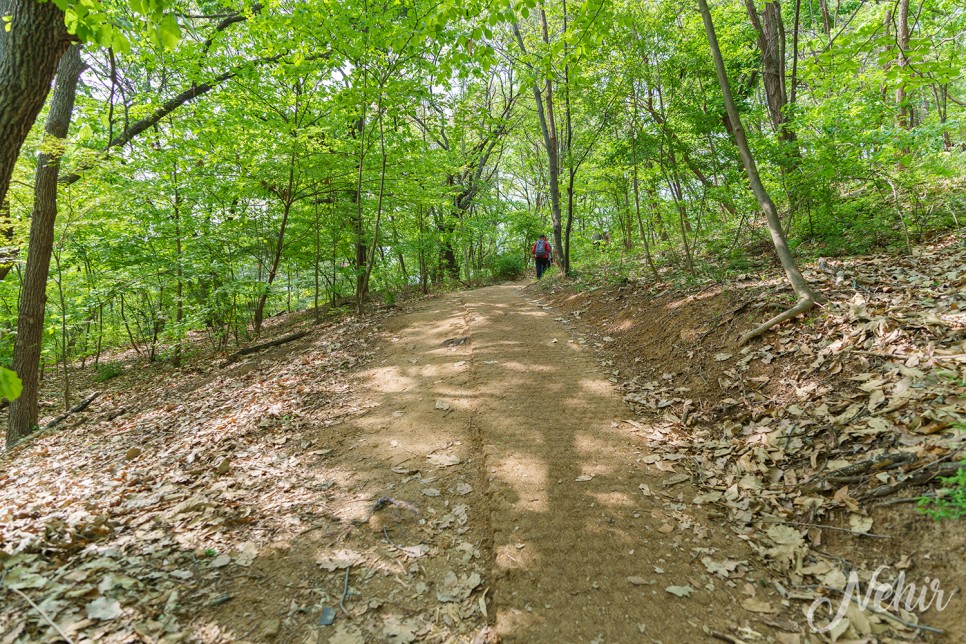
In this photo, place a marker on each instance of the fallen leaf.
(757, 606)
(680, 591)
(104, 609)
(220, 561)
(443, 460)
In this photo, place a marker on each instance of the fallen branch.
(264, 345)
(804, 304)
(45, 616)
(919, 477)
(81, 406)
(841, 476)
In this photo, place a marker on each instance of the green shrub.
(507, 267)
(107, 371)
(952, 504)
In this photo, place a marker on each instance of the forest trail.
(578, 537)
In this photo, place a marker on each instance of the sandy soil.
(574, 538)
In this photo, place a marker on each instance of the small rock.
(271, 628)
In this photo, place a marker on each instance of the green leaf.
(169, 31)
(10, 384)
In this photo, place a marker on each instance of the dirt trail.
(574, 535)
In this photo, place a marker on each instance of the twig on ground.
(831, 527)
(44, 615)
(345, 593)
(906, 499)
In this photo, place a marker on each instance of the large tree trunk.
(33, 293)
(807, 299)
(29, 53)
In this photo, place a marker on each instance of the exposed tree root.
(804, 304)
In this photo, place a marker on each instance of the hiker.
(542, 254)
(597, 240)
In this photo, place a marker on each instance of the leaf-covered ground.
(465, 469)
(817, 439)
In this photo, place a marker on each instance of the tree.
(807, 299)
(33, 298)
(31, 44)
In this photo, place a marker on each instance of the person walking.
(542, 254)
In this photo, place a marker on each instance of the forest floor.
(524, 462)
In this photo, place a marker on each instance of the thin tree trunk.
(63, 331)
(382, 191)
(179, 293)
(547, 128)
(33, 292)
(318, 254)
(637, 190)
(807, 299)
(902, 44)
(289, 199)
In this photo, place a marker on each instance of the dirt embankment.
(832, 425)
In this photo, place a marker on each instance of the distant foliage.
(507, 267)
(107, 371)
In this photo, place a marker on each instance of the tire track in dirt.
(580, 552)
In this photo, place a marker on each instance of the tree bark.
(10, 251)
(29, 54)
(548, 129)
(807, 299)
(902, 43)
(33, 294)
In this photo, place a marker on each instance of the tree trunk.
(179, 293)
(771, 42)
(826, 19)
(382, 191)
(548, 129)
(9, 252)
(33, 293)
(272, 272)
(902, 43)
(807, 299)
(29, 54)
